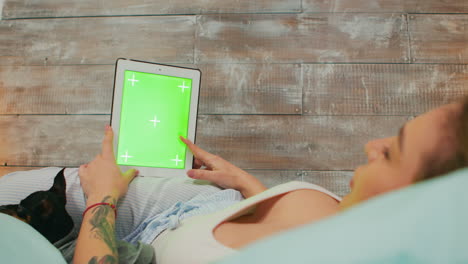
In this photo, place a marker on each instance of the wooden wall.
(291, 89)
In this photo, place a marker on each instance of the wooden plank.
(75, 89)
(96, 40)
(293, 142)
(439, 38)
(64, 8)
(405, 6)
(59, 140)
(302, 38)
(381, 89)
(276, 142)
(87, 89)
(334, 181)
(251, 89)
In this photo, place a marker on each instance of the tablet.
(153, 104)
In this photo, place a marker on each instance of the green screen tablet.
(153, 105)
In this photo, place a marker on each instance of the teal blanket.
(426, 223)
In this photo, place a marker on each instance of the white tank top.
(193, 241)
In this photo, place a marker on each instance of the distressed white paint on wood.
(405, 6)
(294, 142)
(249, 141)
(381, 89)
(59, 140)
(65, 8)
(83, 89)
(247, 88)
(439, 38)
(335, 181)
(87, 89)
(2, 2)
(283, 144)
(97, 40)
(251, 89)
(302, 38)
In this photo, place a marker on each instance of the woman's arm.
(222, 173)
(96, 241)
(102, 182)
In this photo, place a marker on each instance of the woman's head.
(430, 145)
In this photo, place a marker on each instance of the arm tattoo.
(107, 259)
(102, 228)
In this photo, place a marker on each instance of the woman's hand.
(102, 182)
(102, 177)
(221, 172)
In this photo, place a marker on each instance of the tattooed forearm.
(101, 228)
(108, 259)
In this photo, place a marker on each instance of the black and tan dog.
(45, 210)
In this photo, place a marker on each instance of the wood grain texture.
(334, 181)
(381, 89)
(83, 89)
(439, 38)
(96, 40)
(405, 6)
(249, 141)
(64, 8)
(251, 89)
(60, 140)
(302, 38)
(293, 142)
(255, 85)
(87, 89)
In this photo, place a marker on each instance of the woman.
(427, 146)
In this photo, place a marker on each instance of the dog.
(45, 210)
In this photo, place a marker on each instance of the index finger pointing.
(196, 150)
(107, 143)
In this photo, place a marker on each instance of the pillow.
(424, 223)
(20, 243)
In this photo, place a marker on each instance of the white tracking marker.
(133, 80)
(183, 86)
(126, 156)
(155, 120)
(177, 160)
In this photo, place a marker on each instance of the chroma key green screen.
(155, 112)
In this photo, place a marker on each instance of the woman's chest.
(275, 214)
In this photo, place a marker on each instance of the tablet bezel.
(148, 67)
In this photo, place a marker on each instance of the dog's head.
(45, 210)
